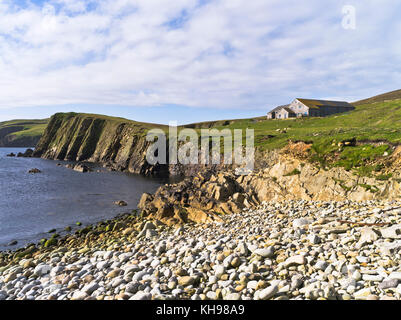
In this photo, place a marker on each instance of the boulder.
(27, 154)
(82, 168)
(145, 199)
(120, 203)
(34, 170)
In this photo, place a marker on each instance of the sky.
(192, 60)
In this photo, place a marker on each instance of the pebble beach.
(296, 250)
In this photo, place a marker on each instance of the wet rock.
(121, 203)
(79, 167)
(34, 170)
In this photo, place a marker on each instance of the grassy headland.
(360, 140)
(21, 133)
(354, 140)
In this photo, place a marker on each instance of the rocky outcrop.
(292, 179)
(202, 198)
(116, 143)
(208, 195)
(10, 140)
(80, 167)
(34, 170)
(27, 154)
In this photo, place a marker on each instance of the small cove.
(33, 204)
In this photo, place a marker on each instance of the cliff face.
(21, 133)
(208, 195)
(115, 142)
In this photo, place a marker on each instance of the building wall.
(302, 110)
(282, 114)
(299, 108)
(326, 111)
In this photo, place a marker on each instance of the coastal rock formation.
(27, 154)
(21, 133)
(117, 143)
(10, 140)
(211, 194)
(120, 203)
(202, 198)
(34, 170)
(82, 168)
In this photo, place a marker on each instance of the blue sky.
(191, 60)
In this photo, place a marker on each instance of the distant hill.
(21, 133)
(374, 127)
(389, 96)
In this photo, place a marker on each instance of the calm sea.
(32, 204)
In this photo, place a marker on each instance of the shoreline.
(268, 235)
(294, 250)
(106, 209)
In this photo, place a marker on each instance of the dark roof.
(278, 108)
(315, 104)
(288, 110)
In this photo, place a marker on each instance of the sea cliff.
(114, 142)
(21, 133)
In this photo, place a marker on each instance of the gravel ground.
(294, 250)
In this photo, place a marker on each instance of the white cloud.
(223, 53)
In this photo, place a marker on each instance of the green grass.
(370, 188)
(18, 131)
(293, 173)
(140, 127)
(384, 177)
(375, 124)
(378, 121)
(34, 130)
(342, 184)
(376, 127)
(357, 157)
(389, 96)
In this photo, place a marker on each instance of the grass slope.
(21, 132)
(389, 96)
(376, 126)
